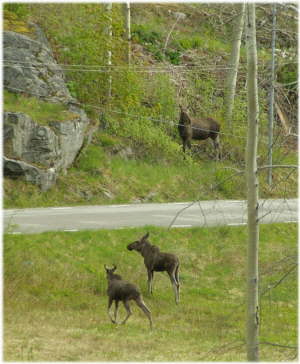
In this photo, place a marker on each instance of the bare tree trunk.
(231, 78)
(127, 30)
(109, 51)
(271, 106)
(252, 190)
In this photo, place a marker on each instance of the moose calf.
(119, 290)
(156, 261)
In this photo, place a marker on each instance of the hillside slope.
(137, 140)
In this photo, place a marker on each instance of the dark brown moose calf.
(156, 261)
(119, 290)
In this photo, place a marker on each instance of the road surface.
(182, 214)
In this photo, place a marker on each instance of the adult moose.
(198, 129)
(156, 261)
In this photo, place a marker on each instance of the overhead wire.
(171, 122)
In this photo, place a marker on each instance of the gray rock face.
(56, 144)
(29, 67)
(29, 141)
(44, 178)
(34, 151)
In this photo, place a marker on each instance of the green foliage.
(149, 38)
(288, 73)
(144, 34)
(173, 56)
(78, 32)
(15, 19)
(20, 10)
(107, 140)
(92, 159)
(40, 111)
(192, 42)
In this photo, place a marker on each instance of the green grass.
(40, 111)
(127, 181)
(55, 296)
(101, 178)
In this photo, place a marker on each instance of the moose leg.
(216, 142)
(174, 284)
(116, 309)
(139, 301)
(177, 278)
(127, 307)
(150, 280)
(110, 301)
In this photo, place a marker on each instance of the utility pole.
(271, 100)
(231, 78)
(127, 30)
(109, 50)
(252, 327)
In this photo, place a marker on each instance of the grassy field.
(55, 296)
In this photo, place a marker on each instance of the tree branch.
(280, 280)
(278, 166)
(281, 346)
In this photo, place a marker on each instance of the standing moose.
(198, 129)
(156, 261)
(120, 290)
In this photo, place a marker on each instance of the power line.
(120, 68)
(171, 122)
(111, 68)
(169, 66)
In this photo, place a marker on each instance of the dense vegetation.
(55, 296)
(143, 108)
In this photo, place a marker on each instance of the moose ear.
(145, 236)
(114, 267)
(105, 267)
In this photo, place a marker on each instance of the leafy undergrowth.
(40, 111)
(55, 296)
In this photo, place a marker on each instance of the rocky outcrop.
(30, 68)
(44, 178)
(35, 151)
(56, 144)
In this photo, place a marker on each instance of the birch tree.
(252, 330)
(233, 65)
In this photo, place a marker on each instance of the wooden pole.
(271, 100)
(128, 30)
(109, 50)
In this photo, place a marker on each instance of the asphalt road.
(183, 214)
